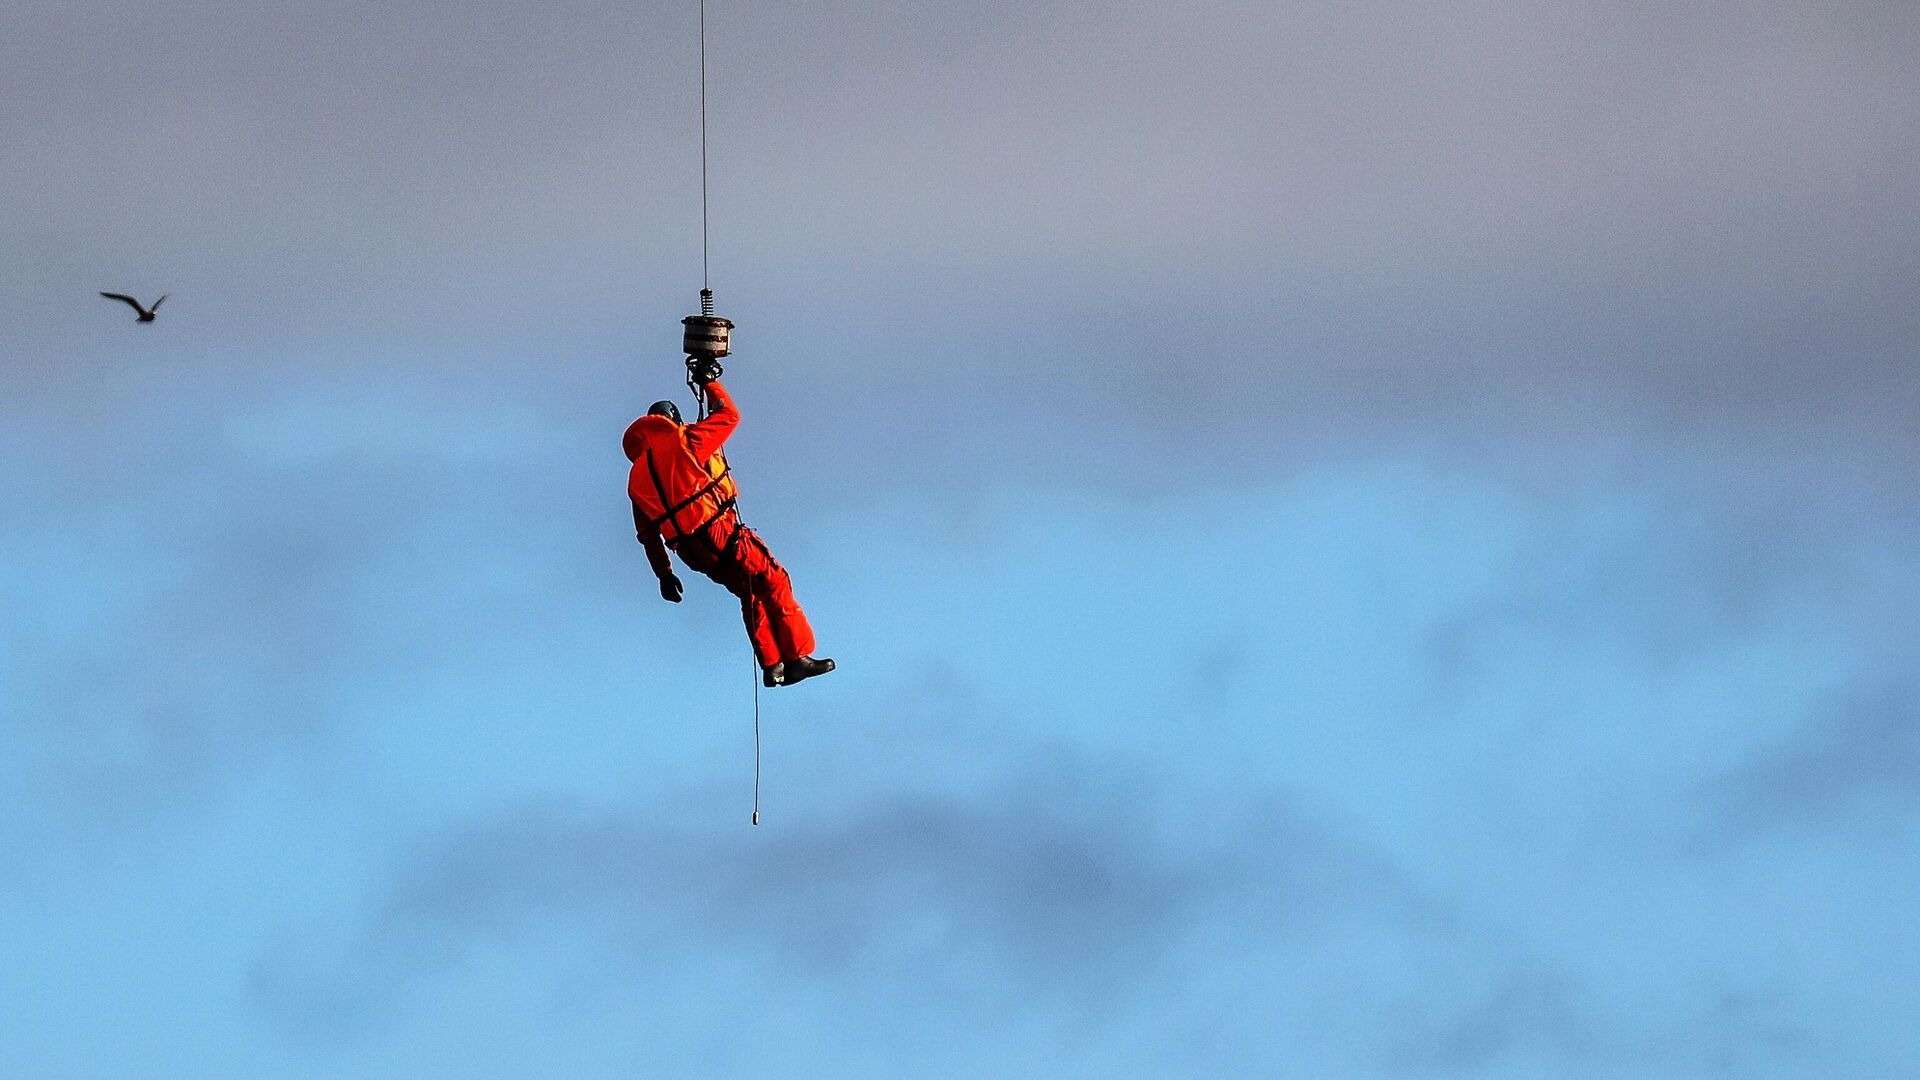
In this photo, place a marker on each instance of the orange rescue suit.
(683, 499)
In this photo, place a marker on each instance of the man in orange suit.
(683, 500)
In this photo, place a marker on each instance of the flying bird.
(146, 313)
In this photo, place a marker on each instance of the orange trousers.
(736, 557)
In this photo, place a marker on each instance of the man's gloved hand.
(670, 588)
(704, 369)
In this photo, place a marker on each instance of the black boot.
(806, 667)
(773, 674)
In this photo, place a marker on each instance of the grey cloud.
(1380, 217)
(220, 642)
(1537, 1016)
(1856, 753)
(1701, 554)
(1054, 884)
(186, 601)
(1044, 882)
(1547, 1020)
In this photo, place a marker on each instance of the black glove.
(670, 589)
(703, 369)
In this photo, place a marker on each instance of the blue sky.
(1359, 543)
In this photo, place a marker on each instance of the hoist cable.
(704, 284)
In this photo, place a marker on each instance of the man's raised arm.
(705, 437)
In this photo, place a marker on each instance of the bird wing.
(125, 299)
(162, 300)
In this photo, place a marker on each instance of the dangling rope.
(756, 741)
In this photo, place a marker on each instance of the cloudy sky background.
(1361, 541)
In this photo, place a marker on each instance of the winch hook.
(705, 341)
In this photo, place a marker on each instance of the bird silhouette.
(146, 313)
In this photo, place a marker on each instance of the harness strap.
(668, 516)
(700, 535)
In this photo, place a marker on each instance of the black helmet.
(665, 408)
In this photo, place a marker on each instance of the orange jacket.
(679, 480)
